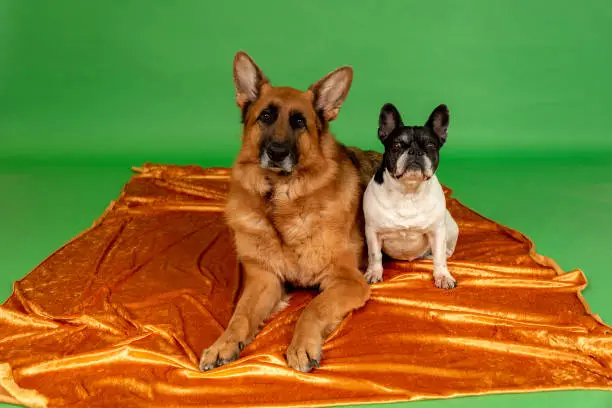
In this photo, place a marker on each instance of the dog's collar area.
(279, 172)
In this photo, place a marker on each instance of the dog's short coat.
(404, 205)
(294, 207)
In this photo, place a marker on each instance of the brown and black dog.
(295, 209)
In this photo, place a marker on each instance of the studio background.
(89, 89)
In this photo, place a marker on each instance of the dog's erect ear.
(438, 122)
(388, 121)
(331, 91)
(248, 79)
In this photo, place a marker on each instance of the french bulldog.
(404, 205)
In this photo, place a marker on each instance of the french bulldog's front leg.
(375, 269)
(437, 240)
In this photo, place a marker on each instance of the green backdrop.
(88, 89)
(153, 78)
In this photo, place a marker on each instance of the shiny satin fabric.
(119, 315)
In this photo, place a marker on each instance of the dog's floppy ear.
(388, 121)
(331, 91)
(438, 122)
(248, 79)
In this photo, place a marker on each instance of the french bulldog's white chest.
(389, 210)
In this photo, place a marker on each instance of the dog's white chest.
(389, 210)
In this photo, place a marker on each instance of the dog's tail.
(365, 161)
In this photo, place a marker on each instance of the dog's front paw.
(303, 355)
(444, 280)
(374, 274)
(220, 353)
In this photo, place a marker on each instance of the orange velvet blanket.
(119, 316)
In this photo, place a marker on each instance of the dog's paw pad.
(216, 356)
(374, 275)
(299, 358)
(373, 279)
(209, 361)
(445, 282)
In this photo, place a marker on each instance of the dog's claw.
(312, 361)
(214, 356)
(373, 280)
(445, 282)
(209, 366)
(226, 361)
(299, 358)
(218, 363)
(374, 275)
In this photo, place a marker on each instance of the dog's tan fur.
(301, 228)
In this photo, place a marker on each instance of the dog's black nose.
(415, 152)
(277, 151)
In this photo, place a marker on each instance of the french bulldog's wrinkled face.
(411, 152)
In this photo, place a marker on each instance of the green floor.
(563, 203)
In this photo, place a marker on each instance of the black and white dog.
(404, 205)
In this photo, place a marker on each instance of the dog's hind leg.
(452, 234)
(261, 296)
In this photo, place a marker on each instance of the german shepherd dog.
(294, 207)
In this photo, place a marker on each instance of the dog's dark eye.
(297, 121)
(267, 116)
(431, 145)
(396, 147)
